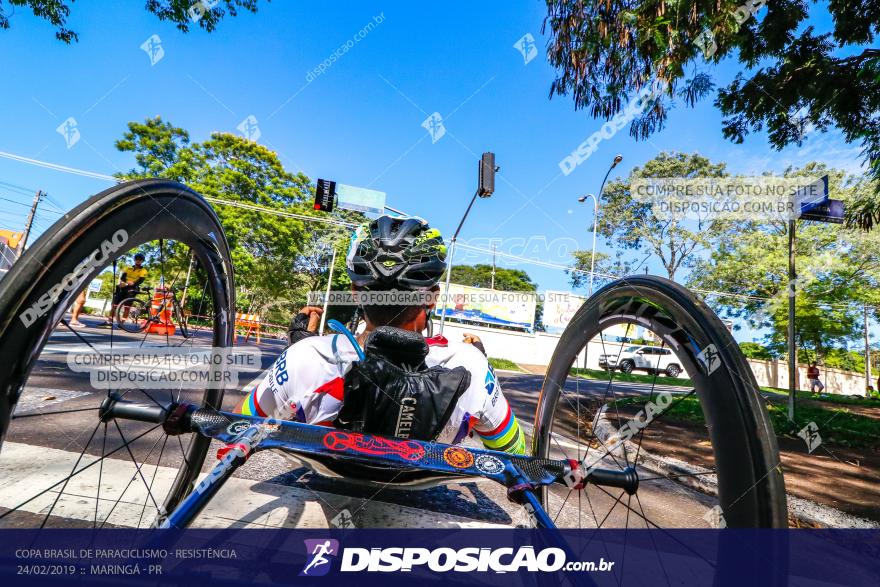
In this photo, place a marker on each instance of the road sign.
(325, 194)
(812, 195)
(95, 285)
(350, 197)
(827, 211)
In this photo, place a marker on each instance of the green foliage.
(631, 225)
(791, 79)
(753, 350)
(480, 275)
(55, 12)
(837, 426)
(504, 364)
(578, 272)
(277, 260)
(838, 269)
(607, 376)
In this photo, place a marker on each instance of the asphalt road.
(270, 490)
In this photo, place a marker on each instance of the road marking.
(37, 398)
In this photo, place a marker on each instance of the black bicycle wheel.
(701, 451)
(61, 462)
(133, 315)
(181, 322)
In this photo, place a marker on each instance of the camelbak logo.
(405, 417)
(98, 258)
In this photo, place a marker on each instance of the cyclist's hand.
(314, 314)
(473, 339)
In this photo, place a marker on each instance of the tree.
(270, 252)
(753, 350)
(631, 224)
(579, 271)
(838, 270)
(480, 275)
(205, 14)
(792, 78)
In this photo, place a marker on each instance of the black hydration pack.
(392, 392)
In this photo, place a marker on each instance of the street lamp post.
(583, 199)
(595, 227)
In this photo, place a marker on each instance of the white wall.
(537, 349)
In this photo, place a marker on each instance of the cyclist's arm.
(300, 386)
(498, 427)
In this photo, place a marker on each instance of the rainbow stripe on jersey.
(506, 437)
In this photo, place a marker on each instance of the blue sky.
(358, 122)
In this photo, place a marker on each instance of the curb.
(803, 510)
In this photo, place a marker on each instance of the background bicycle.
(136, 314)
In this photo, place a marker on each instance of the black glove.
(299, 329)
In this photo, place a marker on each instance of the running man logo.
(810, 435)
(69, 129)
(154, 50)
(320, 553)
(527, 47)
(434, 125)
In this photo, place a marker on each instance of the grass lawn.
(830, 398)
(837, 426)
(602, 375)
(504, 364)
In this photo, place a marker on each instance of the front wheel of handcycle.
(65, 459)
(133, 315)
(700, 453)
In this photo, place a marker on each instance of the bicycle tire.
(147, 210)
(181, 323)
(751, 489)
(140, 307)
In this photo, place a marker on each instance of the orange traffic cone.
(165, 325)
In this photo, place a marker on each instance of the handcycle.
(135, 314)
(97, 433)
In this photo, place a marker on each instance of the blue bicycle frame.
(245, 435)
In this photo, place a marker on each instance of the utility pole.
(30, 219)
(327, 293)
(867, 353)
(493, 267)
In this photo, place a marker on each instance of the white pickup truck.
(643, 358)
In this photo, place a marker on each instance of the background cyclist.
(130, 280)
(389, 254)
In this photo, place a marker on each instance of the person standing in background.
(813, 377)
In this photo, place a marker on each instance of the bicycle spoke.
(100, 474)
(128, 449)
(79, 458)
(152, 479)
(130, 481)
(676, 476)
(564, 501)
(650, 399)
(14, 417)
(64, 481)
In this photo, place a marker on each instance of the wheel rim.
(148, 470)
(570, 422)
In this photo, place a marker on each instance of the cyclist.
(450, 387)
(129, 282)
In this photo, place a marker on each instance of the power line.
(243, 205)
(56, 167)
